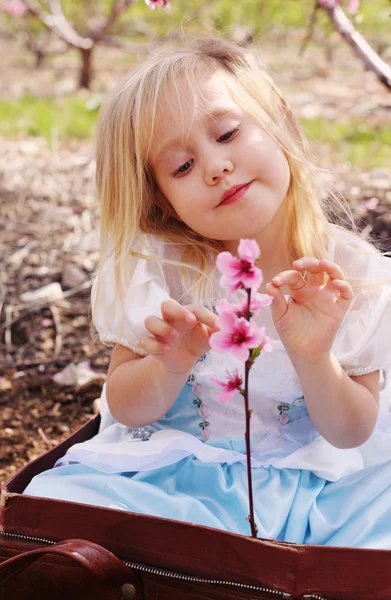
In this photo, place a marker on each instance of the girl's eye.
(227, 136)
(183, 168)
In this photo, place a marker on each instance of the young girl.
(196, 150)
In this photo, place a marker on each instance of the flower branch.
(237, 335)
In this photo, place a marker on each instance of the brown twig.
(44, 438)
(3, 293)
(311, 28)
(117, 8)
(29, 307)
(8, 323)
(34, 363)
(57, 323)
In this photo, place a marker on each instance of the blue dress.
(190, 465)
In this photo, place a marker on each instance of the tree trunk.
(39, 57)
(85, 74)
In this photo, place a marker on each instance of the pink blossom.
(372, 203)
(152, 4)
(328, 3)
(353, 6)
(240, 273)
(248, 250)
(15, 8)
(237, 336)
(229, 387)
(257, 302)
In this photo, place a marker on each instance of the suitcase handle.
(104, 565)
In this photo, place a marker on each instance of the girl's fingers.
(279, 306)
(333, 270)
(292, 279)
(176, 314)
(160, 328)
(204, 315)
(345, 292)
(316, 269)
(153, 346)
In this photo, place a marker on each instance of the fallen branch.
(58, 326)
(29, 307)
(44, 437)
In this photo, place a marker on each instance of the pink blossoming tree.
(237, 335)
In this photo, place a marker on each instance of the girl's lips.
(236, 195)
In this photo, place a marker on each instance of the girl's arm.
(344, 409)
(140, 390)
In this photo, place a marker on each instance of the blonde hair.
(125, 181)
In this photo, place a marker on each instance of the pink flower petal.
(252, 279)
(372, 203)
(230, 284)
(220, 342)
(226, 395)
(248, 250)
(259, 301)
(228, 322)
(241, 353)
(223, 306)
(353, 6)
(227, 264)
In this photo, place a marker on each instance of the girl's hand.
(181, 336)
(308, 323)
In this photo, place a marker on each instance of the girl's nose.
(216, 168)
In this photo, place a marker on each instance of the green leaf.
(255, 352)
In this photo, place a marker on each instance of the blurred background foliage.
(277, 26)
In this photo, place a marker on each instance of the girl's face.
(199, 163)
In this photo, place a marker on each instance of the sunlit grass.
(66, 118)
(351, 140)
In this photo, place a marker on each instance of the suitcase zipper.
(181, 576)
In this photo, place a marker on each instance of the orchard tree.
(95, 26)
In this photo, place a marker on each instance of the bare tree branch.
(311, 29)
(56, 22)
(360, 46)
(116, 9)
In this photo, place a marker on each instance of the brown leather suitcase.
(54, 549)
